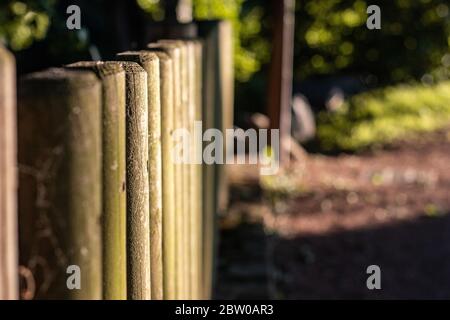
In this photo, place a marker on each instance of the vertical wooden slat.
(112, 77)
(175, 54)
(138, 202)
(197, 156)
(223, 35)
(186, 212)
(8, 178)
(218, 99)
(168, 170)
(189, 114)
(185, 94)
(198, 53)
(195, 223)
(59, 126)
(209, 171)
(150, 62)
(280, 80)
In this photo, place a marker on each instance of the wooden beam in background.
(280, 77)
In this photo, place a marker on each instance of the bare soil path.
(388, 207)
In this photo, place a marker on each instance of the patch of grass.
(381, 116)
(283, 185)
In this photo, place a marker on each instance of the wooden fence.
(8, 220)
(98, 186)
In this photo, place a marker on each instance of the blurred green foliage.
(381, 116)
(251, 48)
(153, 7)
(23, 22)
(332, 37)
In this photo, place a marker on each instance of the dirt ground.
(336, 215)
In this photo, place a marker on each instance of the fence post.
(169, 179)
(218, 93)
(112, 77)
(175, 55)
(186, 194)
(188, 95)
(59, 122)
(178, 53)
(8, 177)
(150, 63)
(138, 202)
(195, 218)
(279, 97)
(209, 174)
(168, 171)
(198, 53)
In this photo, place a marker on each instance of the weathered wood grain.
(198, 49)
(175, 53)
(8, 178)
(194, 221)
(112, 78)
(59, 126)
(150, 63)
(168, 173)
(138, 201)
(186, 171)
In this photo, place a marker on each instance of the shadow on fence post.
(8, 177)
(112, 77)
(59, 121)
